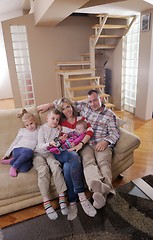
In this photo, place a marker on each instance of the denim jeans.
(73, 173)
(22, 159)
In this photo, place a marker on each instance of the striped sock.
(62, 203)
(50, 210)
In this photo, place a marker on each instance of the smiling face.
(67, 110)
(53, 119)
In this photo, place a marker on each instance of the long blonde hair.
(60, 107)
(25, 115)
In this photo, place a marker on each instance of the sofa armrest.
(126, 142)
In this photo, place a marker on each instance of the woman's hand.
(44, 107)
(76, 148)
(101, 146)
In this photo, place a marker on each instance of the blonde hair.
(25, 115)
(54, 111)
(68, 101)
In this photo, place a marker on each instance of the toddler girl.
(20, 153)
(69, 140)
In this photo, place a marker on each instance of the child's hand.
(3, 158)
(52, 143)
(59, 127)
(72, 144)
(63, 137)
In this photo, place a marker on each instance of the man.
(106, 134)
(97, 158)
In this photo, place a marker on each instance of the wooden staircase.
(78, 77)
(107, 33)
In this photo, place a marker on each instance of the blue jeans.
(73, 173)
(22, 159)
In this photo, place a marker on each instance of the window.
(22, 63)
(130, 67)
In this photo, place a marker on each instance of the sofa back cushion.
(43, 117)
(9, 126)
(126, 142)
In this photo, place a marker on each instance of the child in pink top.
(69, 140)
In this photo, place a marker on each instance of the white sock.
(72, 211)
(86, 205)
(50, 210)
(99, 200)
(99, 186)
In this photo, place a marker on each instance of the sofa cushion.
(120, 122)
(126, 142)
(43, 117)
(24, 183)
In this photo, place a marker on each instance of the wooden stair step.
(105, 46)
(110, 26)
(103, 95)
(108, 36)
(81, 79)
(110, 105)
(85, 87)
(116, 16)
(73, 63)
(76, 71)
(85, 54)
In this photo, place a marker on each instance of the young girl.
(20, 152)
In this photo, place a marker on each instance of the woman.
(72, 176)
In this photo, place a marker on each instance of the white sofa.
(22, 191)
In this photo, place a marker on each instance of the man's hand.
(101, 146)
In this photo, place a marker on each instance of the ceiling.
(10, 5)
(129, 7)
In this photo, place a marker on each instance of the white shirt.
(24, 138)
(46, 134)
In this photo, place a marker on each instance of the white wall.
(47, 45)
(115, 65)
(144, 100)
(5, 84)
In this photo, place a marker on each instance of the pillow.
(119, 122)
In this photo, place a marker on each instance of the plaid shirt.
(103, 123)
